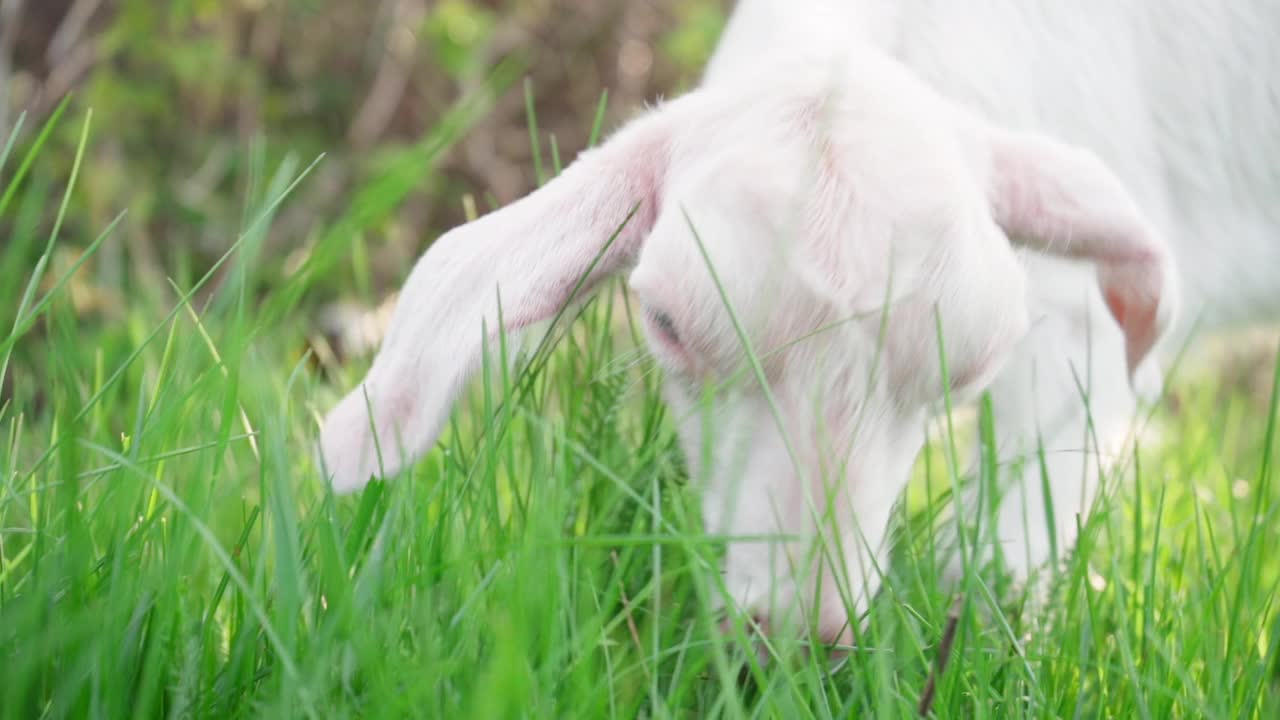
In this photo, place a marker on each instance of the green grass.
(167, 549)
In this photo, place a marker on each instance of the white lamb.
(859, 175)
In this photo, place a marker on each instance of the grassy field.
(166, 547)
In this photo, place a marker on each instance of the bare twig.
(631, 622)
(944, 654)
(10, 10)
(68, 73)
(70, 30)
(626, 602)
(393, 75)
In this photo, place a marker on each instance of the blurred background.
(410, 114)
(423, 105)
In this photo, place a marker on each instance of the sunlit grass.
(166, 547)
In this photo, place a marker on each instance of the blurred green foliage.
(195, 101)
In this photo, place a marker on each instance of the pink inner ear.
(1119, 306)
(397, 410)
(1065, 201)
(1132, 292)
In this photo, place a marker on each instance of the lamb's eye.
(665, 325)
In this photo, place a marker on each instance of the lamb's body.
(861, 172)
(1180, 97)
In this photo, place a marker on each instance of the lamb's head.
(820, 259)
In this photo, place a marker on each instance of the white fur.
(865, 168)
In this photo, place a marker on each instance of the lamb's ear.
(1064, 200)
(537, 254)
